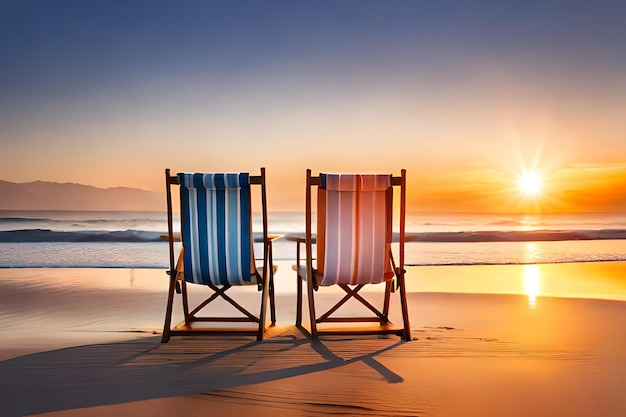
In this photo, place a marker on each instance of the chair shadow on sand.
(143, 369)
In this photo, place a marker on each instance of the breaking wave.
(47, 235)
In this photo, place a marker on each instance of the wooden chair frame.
(179, 285)
(379, 316)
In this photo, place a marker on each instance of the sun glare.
(529, 184)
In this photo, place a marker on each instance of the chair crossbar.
(221, 292)
(350, 320)
(226, 319)
(352, 293)
(218, 292)
(357, 331)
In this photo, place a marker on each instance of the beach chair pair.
(353, 242)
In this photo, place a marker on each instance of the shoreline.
(585, 279)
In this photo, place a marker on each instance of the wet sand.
(488, 341)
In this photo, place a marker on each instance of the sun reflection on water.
(532, 276)
(532, 279)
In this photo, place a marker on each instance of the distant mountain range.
(43, 195)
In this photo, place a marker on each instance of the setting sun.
(530, 184)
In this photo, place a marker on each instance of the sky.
(467, 96)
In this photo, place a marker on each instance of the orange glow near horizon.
(571, 189)
(477, 188)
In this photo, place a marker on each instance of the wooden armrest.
(295, 238)
(272, 238)
(167, 238)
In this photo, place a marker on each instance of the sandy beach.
(515, 340)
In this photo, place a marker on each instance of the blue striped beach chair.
(217, 250)
(354, 249)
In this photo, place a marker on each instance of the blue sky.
(458, 92)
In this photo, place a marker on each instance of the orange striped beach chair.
(217, 251)
(354, 250)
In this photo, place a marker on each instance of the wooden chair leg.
(298, 288)
(272, 270)
(262, 314)
(168, 311)
(406, 331)
(185, 296)
(298, 301)
(388, 285)
(312, 316)
(272, 301)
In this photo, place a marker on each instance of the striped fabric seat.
(354, 229)
(217, 229)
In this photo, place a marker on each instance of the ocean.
(79, 239)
